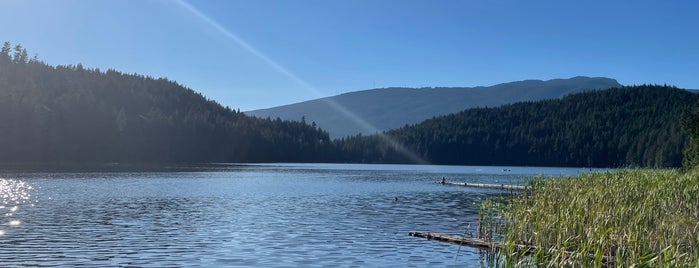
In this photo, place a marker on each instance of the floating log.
(459, 240)
(485, 185)
(469, 241)
(489, 245)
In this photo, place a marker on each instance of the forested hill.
(74, 114)
(628, 126)
(391, 108)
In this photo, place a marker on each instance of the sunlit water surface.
(289, 215)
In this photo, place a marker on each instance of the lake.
(223, 215)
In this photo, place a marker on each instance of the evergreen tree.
(20, 54)
(690, 124)
(5, 52)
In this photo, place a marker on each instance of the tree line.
(622, 127)
(690, 124)
(83, 115)
(76, 114)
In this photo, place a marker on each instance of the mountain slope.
(74, 114)
(629, 126)
(390, 108)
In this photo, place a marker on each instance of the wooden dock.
(485, 185)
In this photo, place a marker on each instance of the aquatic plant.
(627, 218)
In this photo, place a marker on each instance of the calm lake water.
(276, 215)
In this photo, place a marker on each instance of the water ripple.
(272, 217)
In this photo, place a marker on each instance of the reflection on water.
(259, 215)
(13, 194)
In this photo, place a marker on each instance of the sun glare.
(13, 192)
(274, 64)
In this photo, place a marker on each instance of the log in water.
(469, 241)
(459, 240)
(490, 245)
(485, 185)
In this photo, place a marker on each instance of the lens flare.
(305, 85)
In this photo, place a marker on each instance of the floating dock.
(485, 185)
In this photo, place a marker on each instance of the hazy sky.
(258, 54)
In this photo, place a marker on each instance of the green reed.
(628, 218)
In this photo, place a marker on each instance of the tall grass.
(629, 218)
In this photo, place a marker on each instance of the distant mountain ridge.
(391, 108)
(631, 126)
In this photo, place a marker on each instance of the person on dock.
(443, 181)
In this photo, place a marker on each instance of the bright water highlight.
(288, 215)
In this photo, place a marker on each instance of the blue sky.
(258, 54)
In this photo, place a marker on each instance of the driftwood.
(459, 240)
(488, 245)
(469, 241)
(485, 185)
